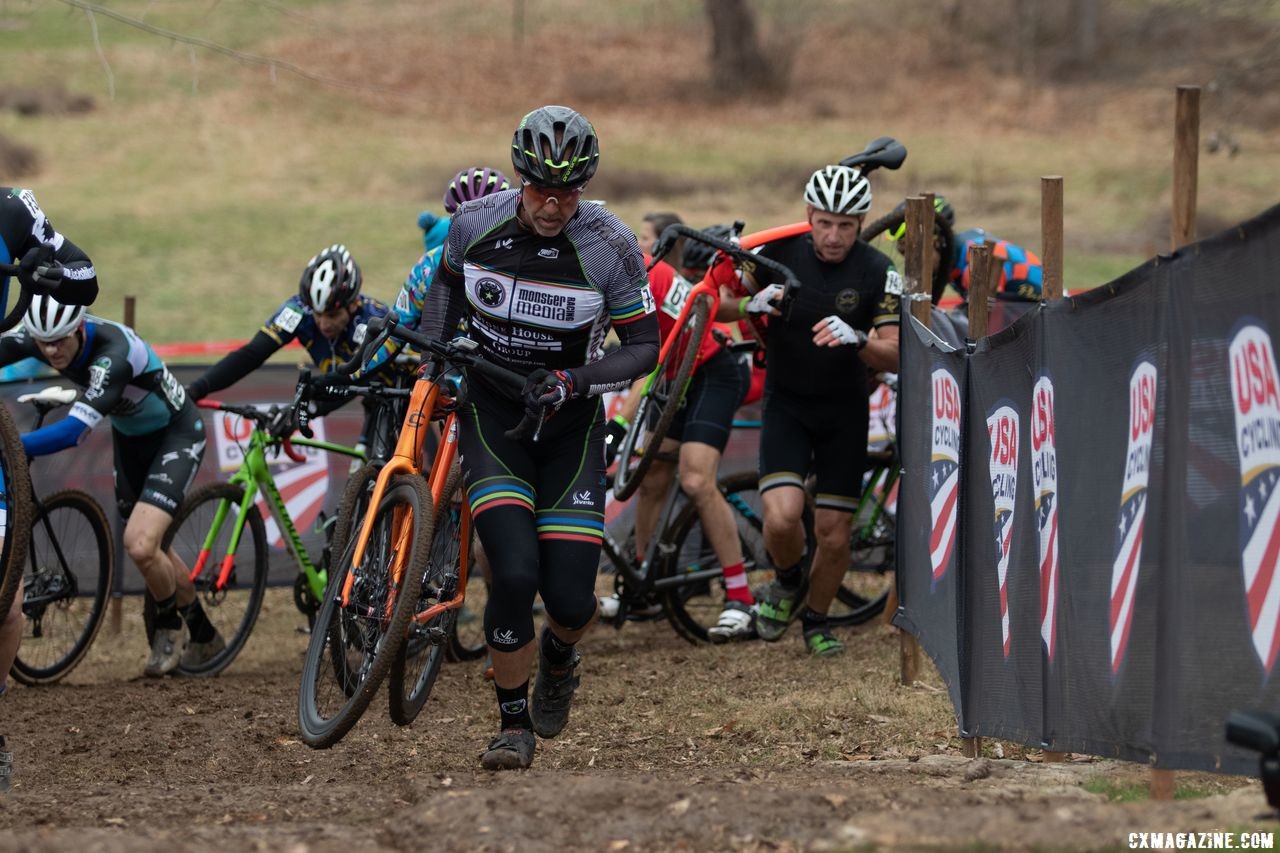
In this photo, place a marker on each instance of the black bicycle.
(68, 575)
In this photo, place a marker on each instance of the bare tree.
(1084, 27)
(738, 64)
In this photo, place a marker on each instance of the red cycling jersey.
(670, 290)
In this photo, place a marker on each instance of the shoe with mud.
(736, 622)
(821, 643)
(512, 749)
(199, 654)
(553, 695)
(166, 651)
(776, 607)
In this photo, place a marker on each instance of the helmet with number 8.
(331, 279)
(49, 320)
(839, 189)
(471, 184)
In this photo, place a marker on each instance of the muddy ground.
(670, 747)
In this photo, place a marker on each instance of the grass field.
(202, 185)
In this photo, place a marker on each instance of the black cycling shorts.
(717, 389)
(538, 508)
(157, 468)
(825, 436)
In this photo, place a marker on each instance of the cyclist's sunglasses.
(542, 195)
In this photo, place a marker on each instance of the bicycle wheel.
(865, 590)
(946, 246)
(68, 581)
(658, 409)
(353, 645)
(414, 671)
(353, 506)
(691, 579)
(234, 608)
(16, 510)
(466, 640)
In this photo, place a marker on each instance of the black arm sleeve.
(235, 366)
(446, 302)
(635, 358)
(79, 279)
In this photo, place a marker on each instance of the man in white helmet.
(841, 324)
(159, 440)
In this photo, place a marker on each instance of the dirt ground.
(670, 746)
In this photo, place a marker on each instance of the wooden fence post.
(1186, 152)
(1051, 257)
(919, 217)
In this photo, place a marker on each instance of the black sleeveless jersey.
(864, 290)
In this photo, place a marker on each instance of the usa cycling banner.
(1113, 587)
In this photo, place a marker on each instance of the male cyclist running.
(815, 400)
(328, 317)
(159, 441)
(540, 276)
(699, 433)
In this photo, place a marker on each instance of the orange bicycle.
(396, 586)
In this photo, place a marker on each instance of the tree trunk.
(1028, 18)
(738, 66)
(1084, 26)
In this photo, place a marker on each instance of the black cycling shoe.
(553, 695)
(512, 749)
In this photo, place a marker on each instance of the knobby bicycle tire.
(941, 275)
(69, 532)
(233, 610)
(353, 647)
(661, 403)
(865, 589)
(15, 481)
(416, 665)
(695, 606)
(466, 640)
(352, 506)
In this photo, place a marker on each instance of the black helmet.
(330, 279)
(697, 256)
(555, 147)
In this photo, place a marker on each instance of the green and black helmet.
(555, 146)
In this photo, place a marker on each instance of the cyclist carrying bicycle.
(328, 317)
(699, 433)
(842, 324)
(50, 263)
(540, 276)
(159, 440)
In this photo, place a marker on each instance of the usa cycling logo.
(1002, 430)
(944, 473)
(1044, 478)
(1133, 507)
(491, 292)
(1257, 415)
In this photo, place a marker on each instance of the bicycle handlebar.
(669, 234)
(272, 421)
(459, 352)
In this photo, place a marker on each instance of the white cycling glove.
(844, 333)
(760, 302)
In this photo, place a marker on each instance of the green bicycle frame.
(254, 475)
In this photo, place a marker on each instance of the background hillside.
(202, 181)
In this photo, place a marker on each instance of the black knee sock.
(167, 613)
(810, 619)
(556, 652)
(202, 630)
(513, 705)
